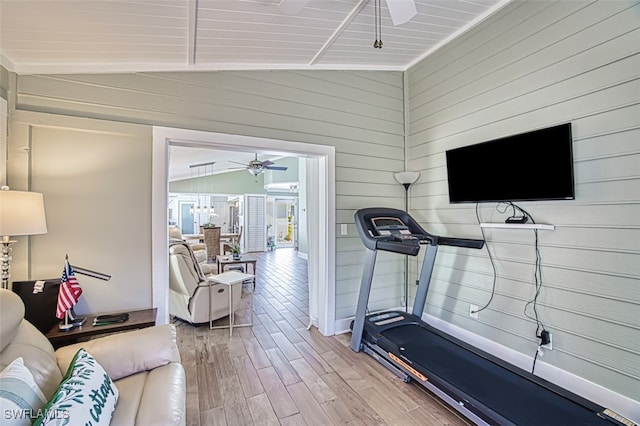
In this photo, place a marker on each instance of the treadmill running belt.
(514, 397)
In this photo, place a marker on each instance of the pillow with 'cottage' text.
(86, 396)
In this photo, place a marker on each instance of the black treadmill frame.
(368, 339)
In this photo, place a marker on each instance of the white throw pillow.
(87, 395)
(20, 396)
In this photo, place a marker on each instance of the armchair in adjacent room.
(199, 249)
(189, 288)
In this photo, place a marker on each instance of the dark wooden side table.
(137, 319)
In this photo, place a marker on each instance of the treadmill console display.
(386, 226)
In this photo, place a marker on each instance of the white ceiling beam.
(108, 68)
(193, 27)
(350, 17)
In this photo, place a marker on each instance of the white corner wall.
(95, 177)
(536, 64)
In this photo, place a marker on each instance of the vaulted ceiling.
(75, 36)
(102, 36)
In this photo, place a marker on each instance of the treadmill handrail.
(372, 242)
(461, 242)
(397, 247)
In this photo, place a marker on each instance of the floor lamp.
(406, 179)
(21, 213)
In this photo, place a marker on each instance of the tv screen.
(536, 165)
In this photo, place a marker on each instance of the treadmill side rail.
(464, 404)
(395, 370)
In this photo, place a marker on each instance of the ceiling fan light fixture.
(292, 7)
(401, 11)
(255, 172)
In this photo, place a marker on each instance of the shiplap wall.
(532, 65)
(360, 113)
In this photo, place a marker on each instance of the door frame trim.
(321, 247)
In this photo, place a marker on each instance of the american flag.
(69, 292)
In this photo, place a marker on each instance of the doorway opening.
(282, 223)
(320, 217)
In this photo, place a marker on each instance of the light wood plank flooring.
(279, 373)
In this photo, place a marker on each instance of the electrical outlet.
(473, 311)
(548, 346)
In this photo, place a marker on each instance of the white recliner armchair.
(189, 288)
(199, 249)
(143, 364)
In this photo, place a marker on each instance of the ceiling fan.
(401, 11)
(256, 167)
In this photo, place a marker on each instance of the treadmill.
(482, 387)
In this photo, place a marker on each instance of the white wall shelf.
(542, 226)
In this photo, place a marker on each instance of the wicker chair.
(212, 241)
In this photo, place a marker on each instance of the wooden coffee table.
(246, 259)
(137, 319)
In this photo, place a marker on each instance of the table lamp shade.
(21, 213)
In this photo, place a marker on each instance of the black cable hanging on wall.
(377, 44)
(541, 332)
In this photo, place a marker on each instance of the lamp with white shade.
(21, 213)
(406, 179)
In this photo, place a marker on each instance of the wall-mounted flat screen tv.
(532, 166)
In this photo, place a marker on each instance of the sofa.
(144, 365)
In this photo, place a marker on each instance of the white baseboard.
(607, 398)
(343, 326)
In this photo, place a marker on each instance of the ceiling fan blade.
(235, 162)
(401, 11)
(276, 168)
(266, 163)
(292, 7)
